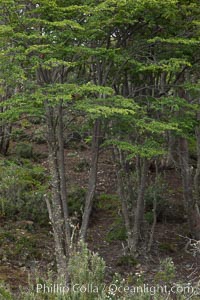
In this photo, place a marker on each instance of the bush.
(117, 232)
(88, 269)
(5, 293)
(156, 190)
(76, 200)
(24, 150)
(149, 217)
(167, 271)
(82, 166)
(39, 136)
(108, 202)
(22, 191)
(19, 134)
(127, 260)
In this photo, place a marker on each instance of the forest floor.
(19, 261)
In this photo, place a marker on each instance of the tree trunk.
(152, 231)
(139, 213)
(5, 132)
(125, 209)
(62, 172)
(129, 202)
(197, 174)
(92, 180)
(190, 204)
(55, 209)
(172, 156)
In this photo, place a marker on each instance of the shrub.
(24, 150)
(127, 260)
(19, 134)
(22, 191)
(39, 136)
(108, 202)
(149, 217)
(167, 271)
(117, 232)
(5, 293)
(156, 190)
(76, 200)
(86, 267)
(82, 166)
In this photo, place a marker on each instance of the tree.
(122, 63)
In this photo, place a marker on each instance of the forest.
(99, 149)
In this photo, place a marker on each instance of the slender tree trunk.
(172, 157)
(5, 133)
(129, 202)
(139, 214)
(92, 180)
(151, 237)
(56, 209)
(62, 172)
(191, 207)
(125, 209)
(57, 204)
(197, 174)
(120, 173)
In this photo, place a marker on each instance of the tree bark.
(92, 180)
(139, 213)
(56, 210)
(197, 174)
(190, 203)
(5, 133)
(62, 173)
(125, 191)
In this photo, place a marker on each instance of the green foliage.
(156, 191)
(167, 271)
(167, 247)
(82, 166)
(5, 292)
(19, 134)
(108, 202)
(117, 232)
(86, 267)
(6, 236)
(76, 200)
(149, 217)
(39, 136)
(110, 59)
(22, 243)
(24, 150)
(22, 191)
(127, 260)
